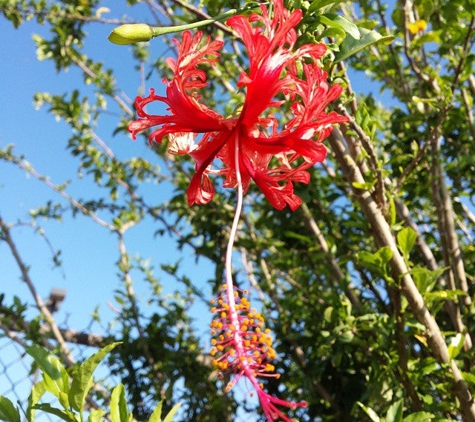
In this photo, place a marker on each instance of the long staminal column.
(242, 346)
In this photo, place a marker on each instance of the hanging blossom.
(272, 154)
(251, 146)
(242, 347)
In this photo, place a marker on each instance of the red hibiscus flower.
(272, 154)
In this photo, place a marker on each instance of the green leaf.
(346, 337)
(394, 413)
(376, 262)
(428, 366)
(425, 279)
(157, 413)
(406, 239)
(445, 294)
(327, 314)
(364, 185)
(118, 405)
(8, 412)
(392, 212)
(64, 415)
(332, 32)
(83, 380)
(37, 391)
(455, 345)
(169, 417)
(96, 415)
(370, 412)
(336, 21)
(419, 417)
(54, 375)
(320, 4)
(469, 378)
(298, 236)
(350, 46)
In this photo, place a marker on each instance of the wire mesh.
(17, 375)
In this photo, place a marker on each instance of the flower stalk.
(131, 33)
(242, 346)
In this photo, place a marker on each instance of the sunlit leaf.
(37, 391)
(55, 377)
(8, 412)
(419, 417)
(394, 413)
(370, 412)
(350, 46)
(157, 413)
(62, 414)
(455, 345)
(337, 21)
(118, 405)
(82, 378)
(406, 239)
(171, 413)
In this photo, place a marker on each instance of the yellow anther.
(270, 368)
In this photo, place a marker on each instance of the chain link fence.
(17, 371)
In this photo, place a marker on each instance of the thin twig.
(337, 271)
(73, 16)
(65, 352)
(451, 247)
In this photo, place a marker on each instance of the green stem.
(158, 30)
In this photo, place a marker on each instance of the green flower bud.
(131, 33)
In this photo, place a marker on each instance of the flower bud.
(131, 33)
